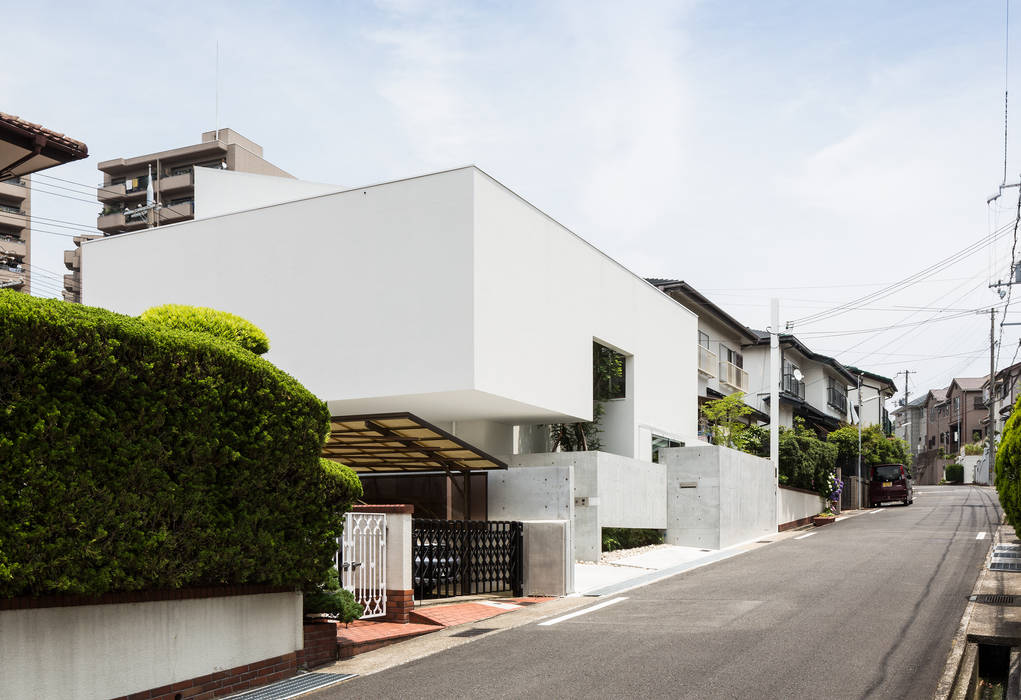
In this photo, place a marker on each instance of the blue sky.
(754, 149)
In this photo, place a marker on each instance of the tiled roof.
(54, 136)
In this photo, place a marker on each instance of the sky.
(812, 151)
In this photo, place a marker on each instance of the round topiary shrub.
(205, 320)
(139, 457)
(955, 473)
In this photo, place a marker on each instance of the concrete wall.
(219, 192)
(453, 250)
(104, 651)
(717, 497)
(970, 462)
(796, 505)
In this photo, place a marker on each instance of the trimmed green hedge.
(1008, 469)
(210, 321)
(134, 457)
(955, 473)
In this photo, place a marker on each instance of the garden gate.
(465, 557)
(361, 560)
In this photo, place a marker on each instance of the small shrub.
(200, 319)
(615, 538)
(331, 599)
(975, 449)
(955, 473)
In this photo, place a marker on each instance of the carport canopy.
(401, 442)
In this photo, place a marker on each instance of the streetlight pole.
(859, 443)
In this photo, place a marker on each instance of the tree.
(1008, 470)
(876, 448)
(607, 383)
(724, 416)
(805, 460)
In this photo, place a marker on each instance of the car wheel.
(906, 502)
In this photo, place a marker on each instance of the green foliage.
(805, 460)
(331, 599)
(1008, 469)
(724, 415)
(975, 449)
(955, 473)
(615, 538)
(135, 457)
(210, 321)
(876, 448)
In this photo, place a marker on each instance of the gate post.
(399, 594)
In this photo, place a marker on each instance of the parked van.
(890, 482)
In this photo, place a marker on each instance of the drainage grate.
(999, 565)
(1007, 548)
(1006, 555)
(994, 599)
(293, 687)
(473, 632)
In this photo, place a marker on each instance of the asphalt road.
(864, 608)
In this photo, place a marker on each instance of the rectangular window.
(957, 405)
(703, 339)
(608, 373)
(836, 396)
(659, 442)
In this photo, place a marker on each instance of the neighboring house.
(439, 295)
(967, 419)
(720, 340)
(812, 386)
(126, 186)
(910, 424)
(875, 391)
(1006, 395)
(25, 148)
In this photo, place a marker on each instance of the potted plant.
(824, 518)
(830, 491)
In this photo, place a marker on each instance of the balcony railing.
(836, 399)
(10, 209)
(707, 361)
(733, 375)
(792, 385)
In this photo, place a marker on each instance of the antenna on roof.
(216, 118)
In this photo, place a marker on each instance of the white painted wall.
(431, 295)
(795, 505)
(219, 192)
(101, 651)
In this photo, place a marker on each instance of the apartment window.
(836, 396)
(732, 356)
(608, 373)
(979, 403)
(790, 383)
(182, 170)
(703, 339)
(134, 184)
(182, 200)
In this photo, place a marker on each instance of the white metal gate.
(361, 560)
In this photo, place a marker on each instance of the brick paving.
(366, 635)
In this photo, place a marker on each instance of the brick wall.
(224, 682)
(320, 644)
(399, 605)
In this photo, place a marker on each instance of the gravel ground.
(617, 554)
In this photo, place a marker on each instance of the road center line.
(980, 536)
(555, 620)
(807, 534)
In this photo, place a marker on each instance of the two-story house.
(910, 424)
(966, 411)
(874, 390)
(721, 370)
(1007, 390)
(812, 386)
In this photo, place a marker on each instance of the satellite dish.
(798, 375)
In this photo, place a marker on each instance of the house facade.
(967, 414)
(721, 340)
(812, 386)
(871, 391)
(910, 424)
(1005, 394)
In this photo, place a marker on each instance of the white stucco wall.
(219, 192)
(101, 651)
(431, 295)
(795, 505)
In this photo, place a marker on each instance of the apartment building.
(721, 369)
(16, 234)
(170, 178)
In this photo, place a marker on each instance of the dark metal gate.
(466, 557)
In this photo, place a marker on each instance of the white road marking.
(980, 536)
(807, 534)
(555, 620)
(877, 510)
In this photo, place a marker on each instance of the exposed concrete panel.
(548, 557)
(104, 651)
(717, 497)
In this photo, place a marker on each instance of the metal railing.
(792, 385)
(707, 361)
(465, 557)
(733, 375)
(836, 399)
(10, 209)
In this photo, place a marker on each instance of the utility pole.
(858, 488)
(774, 396)
(907, 395)
(992, 391)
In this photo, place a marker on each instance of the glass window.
(659, 442)
(703, 339)
(608, 378)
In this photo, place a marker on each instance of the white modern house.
(446, 295)
(875, 391)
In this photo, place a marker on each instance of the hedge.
(955, 473)
(205, 320)
(134, 457)
(1008, 469)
